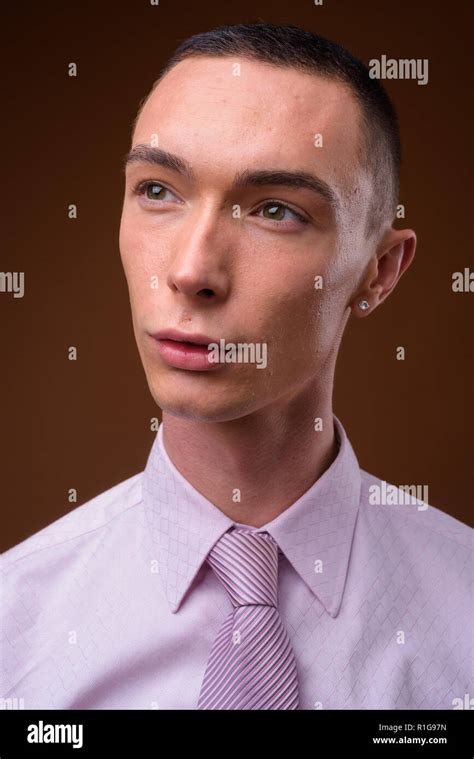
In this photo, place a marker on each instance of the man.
(253, 564)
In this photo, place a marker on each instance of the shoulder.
(56, 581)
(408, 505)
(88, 519)
(401, 519)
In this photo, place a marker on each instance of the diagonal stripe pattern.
(251, 664)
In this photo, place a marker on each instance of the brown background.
(85, 424)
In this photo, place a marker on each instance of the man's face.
(203, 255)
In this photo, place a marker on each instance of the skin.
(239, 426)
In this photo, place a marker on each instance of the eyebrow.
(248, 178)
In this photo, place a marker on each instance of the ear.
(393, 256)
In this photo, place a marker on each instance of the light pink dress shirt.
(113, 606)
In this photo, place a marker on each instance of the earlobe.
(360, 305)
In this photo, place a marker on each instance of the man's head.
(288, 172)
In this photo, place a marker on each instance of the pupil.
(155, 189)
(275, 211)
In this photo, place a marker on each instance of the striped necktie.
(251, 664)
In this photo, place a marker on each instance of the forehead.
(224, 113)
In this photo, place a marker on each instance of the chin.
(201, 404)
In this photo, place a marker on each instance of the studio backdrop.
(74, 423)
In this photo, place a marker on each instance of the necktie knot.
(246, 563)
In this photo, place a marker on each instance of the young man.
(253, 564)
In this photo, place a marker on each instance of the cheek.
(139, 264)
(303, 322)
(138, 244)
(126, 236)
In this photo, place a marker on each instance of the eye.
(275, 210)
(152, 190)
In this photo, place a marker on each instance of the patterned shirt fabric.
(115, 606)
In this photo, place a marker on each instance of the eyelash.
(141, 187)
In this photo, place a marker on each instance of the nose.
(200, 261)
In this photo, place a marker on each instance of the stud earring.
(364, 305)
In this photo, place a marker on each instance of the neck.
(255, 467)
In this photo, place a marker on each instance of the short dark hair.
(291, 46)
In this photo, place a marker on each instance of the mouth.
(185, 338)
(185, 351)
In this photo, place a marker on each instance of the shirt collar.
(314, 533)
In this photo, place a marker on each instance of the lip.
(174, 334)
(175, 349)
